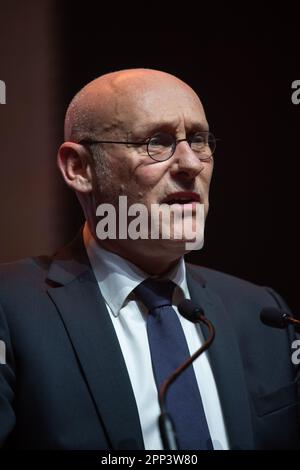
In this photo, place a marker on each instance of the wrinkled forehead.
(174, 107)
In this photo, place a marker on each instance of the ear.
(74, 163)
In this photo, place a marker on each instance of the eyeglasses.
(162, 146)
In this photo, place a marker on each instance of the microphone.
(277, 318)
(195, 314)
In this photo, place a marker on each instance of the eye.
(199, 138)
(161, 140)
(161, 146)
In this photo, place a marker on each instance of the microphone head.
(189, 310)
(271, 316)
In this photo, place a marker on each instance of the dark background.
(241, 65)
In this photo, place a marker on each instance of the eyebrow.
(167, 127)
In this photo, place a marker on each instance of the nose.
(185, 163)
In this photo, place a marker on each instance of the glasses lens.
(161, 146)
(204, 144)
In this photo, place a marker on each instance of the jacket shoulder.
(213, 277)
(232, 288)
(23, 273)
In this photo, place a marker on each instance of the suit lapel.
(86, 319)
(226, 364)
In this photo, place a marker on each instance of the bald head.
(115, 103)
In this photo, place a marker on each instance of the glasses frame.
(147, 142)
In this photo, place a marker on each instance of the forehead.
(177, 107)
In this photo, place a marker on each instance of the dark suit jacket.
(66, 386)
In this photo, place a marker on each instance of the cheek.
(146, 181)
(207, 176)
(111, 181)
(140, 183)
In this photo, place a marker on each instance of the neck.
(154, 257)
(146, 259)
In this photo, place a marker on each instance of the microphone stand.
(166, 425)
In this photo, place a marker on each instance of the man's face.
(141, 111)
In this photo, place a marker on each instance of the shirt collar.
(118, 277)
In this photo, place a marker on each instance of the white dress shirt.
(117, 278)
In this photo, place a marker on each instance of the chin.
(174, 245)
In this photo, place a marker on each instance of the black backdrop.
(242, 66)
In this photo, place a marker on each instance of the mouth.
(182, 197)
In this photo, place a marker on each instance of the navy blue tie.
(169, 349)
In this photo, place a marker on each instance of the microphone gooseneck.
(195, 314)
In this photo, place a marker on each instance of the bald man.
(85, 349)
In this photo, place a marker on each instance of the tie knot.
(155, 294)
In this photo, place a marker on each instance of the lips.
(182, 197)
